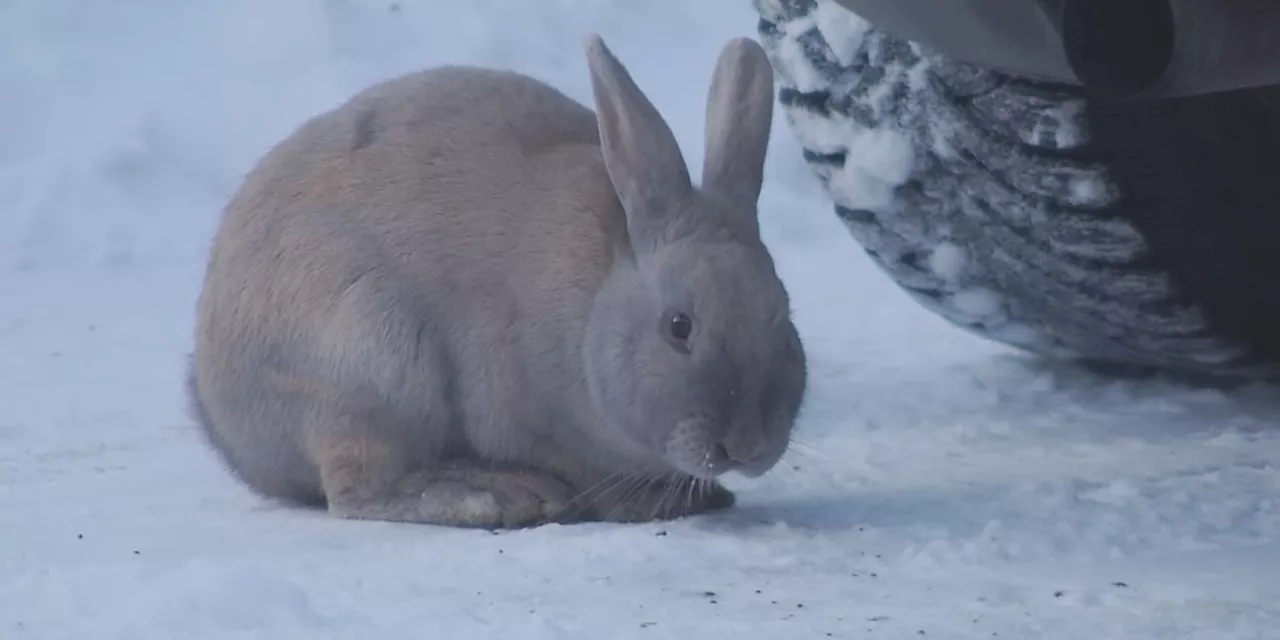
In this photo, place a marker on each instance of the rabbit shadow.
(853, 511)
(824, 512)
(1056, 512)
(1084, 406)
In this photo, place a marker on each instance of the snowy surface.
(947, 488)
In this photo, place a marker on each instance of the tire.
(1132, 234)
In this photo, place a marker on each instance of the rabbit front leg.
(368, 477)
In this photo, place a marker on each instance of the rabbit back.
(452, 224)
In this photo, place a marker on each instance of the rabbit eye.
(676, 327)
(681, 326)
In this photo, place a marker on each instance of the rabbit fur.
(463, 298)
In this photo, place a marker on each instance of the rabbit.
(464, 299)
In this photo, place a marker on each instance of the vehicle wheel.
(1133, 234)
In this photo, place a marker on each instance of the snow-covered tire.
(1137, 234)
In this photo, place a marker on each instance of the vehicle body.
(1136, 49)
(1082, 179)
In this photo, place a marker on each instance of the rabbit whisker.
(617, 480)
(632, 496)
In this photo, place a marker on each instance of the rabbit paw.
(493, 499)
(468, 498)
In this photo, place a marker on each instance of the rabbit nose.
(745, 441)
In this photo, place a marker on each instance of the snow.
(947, 261)
(945, 487)
(877, 163)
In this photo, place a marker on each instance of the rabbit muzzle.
(701, 448)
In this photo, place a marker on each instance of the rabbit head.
(691, 355)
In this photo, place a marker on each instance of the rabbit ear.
(640, 152)
(739, 116)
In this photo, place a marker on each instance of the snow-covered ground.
(947, 488)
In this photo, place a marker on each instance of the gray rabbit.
(463, 299)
